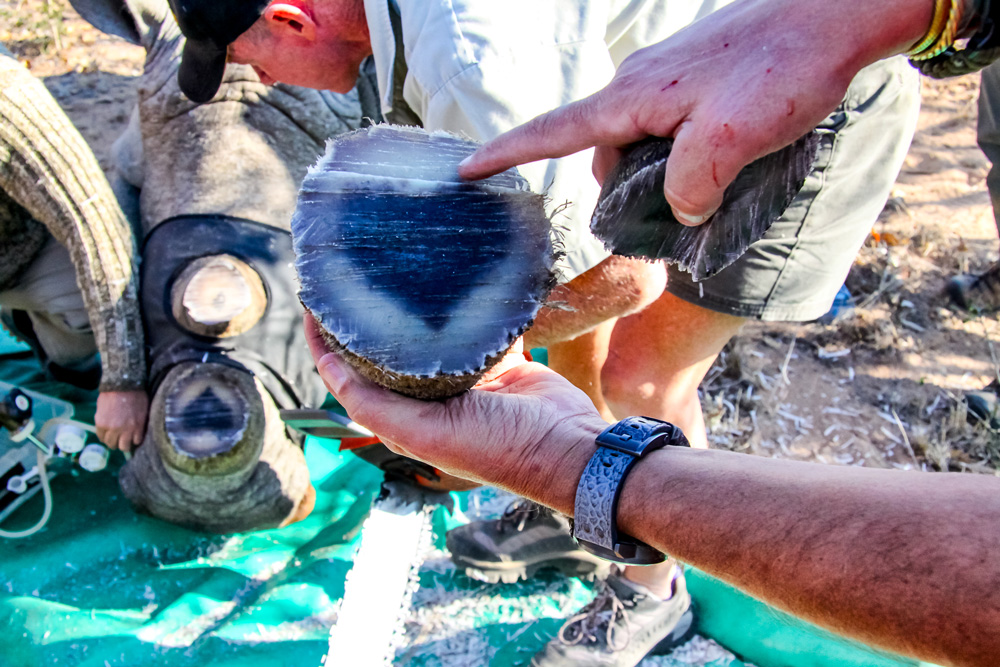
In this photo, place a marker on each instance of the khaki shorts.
(795, 271)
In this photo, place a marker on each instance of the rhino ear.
(113, 17)
(138, 21)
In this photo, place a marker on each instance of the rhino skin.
(243, 154)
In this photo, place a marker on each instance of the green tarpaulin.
(103, 587)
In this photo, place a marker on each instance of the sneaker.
(980, 294)
(621, 626)
(983, 405)
(527, 538)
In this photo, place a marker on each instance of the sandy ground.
(884, 385)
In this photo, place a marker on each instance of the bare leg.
(657, 360)
(580, 361)
(659, 357)
(577, 327)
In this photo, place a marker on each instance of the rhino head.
(216, 185)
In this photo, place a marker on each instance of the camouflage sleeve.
(48, 168)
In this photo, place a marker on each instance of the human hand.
(527, 430)
(739, 84)
(121, 418)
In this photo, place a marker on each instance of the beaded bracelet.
(937, 56)
(942, 10)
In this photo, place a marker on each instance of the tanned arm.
(742, 82)
(617, 287)
(901, 560)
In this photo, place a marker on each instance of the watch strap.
(596, 507)
(620, 446)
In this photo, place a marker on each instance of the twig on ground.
(841, 412)
(788, 358)
(887, 433)
(906, 439)
(886, 283)
(765, 381)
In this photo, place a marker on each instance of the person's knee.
(657, 359)
(634, 383)
(632, 284)
(617, 287)
(623, 380)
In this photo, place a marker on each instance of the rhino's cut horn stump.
(633, 218)
(216, 456)
(421, 281)
(218, 296)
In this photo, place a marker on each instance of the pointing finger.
(563, 131)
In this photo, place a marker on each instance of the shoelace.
(602, 612)
(516, 515)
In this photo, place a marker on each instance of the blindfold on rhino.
(215, 185)
(227, 353)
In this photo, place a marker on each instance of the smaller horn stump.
(633, 219)
(420, 280)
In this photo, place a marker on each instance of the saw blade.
(395, 539)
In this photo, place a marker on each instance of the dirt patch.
(883, 386)
(93, 76)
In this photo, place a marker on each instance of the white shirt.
(480, 67)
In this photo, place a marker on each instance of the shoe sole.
(571, 565)
(681, 634)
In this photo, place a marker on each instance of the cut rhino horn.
(420, 280)
(633, 218)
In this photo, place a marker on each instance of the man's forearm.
(740, 83)
(871, 554)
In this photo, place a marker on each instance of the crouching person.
(68, 281)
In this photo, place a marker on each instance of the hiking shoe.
(983, 405)
(621, 626)
(980, 294)
(527, 538)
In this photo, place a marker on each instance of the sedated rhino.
(215, 186)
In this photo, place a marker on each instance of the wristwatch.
(619, 448)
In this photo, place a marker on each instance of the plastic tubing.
(43, 479)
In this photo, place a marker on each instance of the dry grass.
(750, 390)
